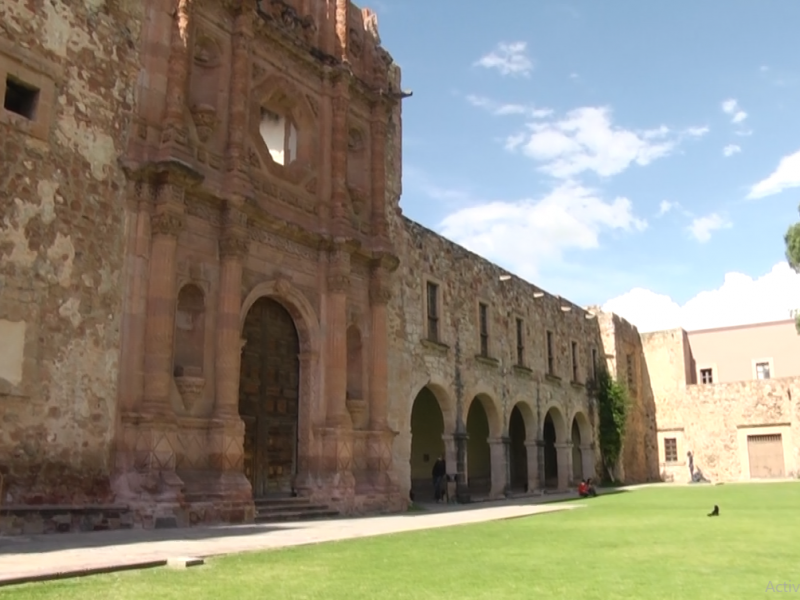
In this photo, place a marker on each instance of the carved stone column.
(174, 131)
(378, 155)
(341, 104)
(239, 88)
(540, 465)
(166, 223)
(380, 295)
(564, 457)
(336, 339)
(462, 484)
(233, 246)
(532, 449)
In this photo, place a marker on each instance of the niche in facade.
(189, 332)
(279, 132)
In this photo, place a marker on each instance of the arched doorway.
(427, 429)
(550, 454)
(479, 456)
(519, 453)
(577, 455)
(269, 397)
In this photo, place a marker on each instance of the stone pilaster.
(340, 106)
(238, 100)
(380, 294)
(378, 155)
(166, 223)
(588, 460)
(336, 338)
(233, 247)
(174, 129)
(462, 485)
(540, 450)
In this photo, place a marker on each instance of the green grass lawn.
(651, 543)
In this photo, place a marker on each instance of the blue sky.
(610, 151)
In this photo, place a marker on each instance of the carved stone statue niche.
(204, 88)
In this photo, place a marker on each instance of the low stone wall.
(714, 420)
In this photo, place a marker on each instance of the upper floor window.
(520, 342)
(432, 298)
(574, 349)
(762, 370)
(594, 364)
(483, 314)
(551, 360)
(706, 376)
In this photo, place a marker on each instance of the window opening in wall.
(520, 343)
(671, 450)
(433, 311)
(594, 364)
(280, 136)
(762, 370)
(574, 349)
(20, 98)
(483, 311)
(706, 376)
(629, 369)
(551, 367)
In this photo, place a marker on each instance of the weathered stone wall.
(61, 250)
(452, 367)
(626, 362)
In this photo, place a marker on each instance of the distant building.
(730, 396)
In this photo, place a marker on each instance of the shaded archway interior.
(519, 453)
(479, 460)
(550, 455)
(269, 398)
(427, 429)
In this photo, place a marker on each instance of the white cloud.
(731, 107)
(586, 140)
(784, 177)
(500, 109)
(702, 227)
(740, 300)
(508, 58)
(731, 149)
(523, 235)
(665, 207)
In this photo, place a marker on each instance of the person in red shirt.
(583, 489)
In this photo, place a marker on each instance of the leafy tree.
(792, 239)
(612, 412)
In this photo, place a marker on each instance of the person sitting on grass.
(582, 488)
(586, 489)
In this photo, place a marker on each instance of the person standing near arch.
(438, 472)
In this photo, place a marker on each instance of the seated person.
(590, 490)
(583, 489)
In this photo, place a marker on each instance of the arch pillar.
(564, 453)
(498, 452)
(450, 454)
(588, 460)
(535, 457)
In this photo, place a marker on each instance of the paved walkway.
(40, 557)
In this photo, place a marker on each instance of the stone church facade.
(209, 293)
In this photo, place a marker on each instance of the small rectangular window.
(483, 310)
(520, 343)
(594, 364)
(20, 98)
(671, 450)
(551, 366)
(706, 376)
(574, 348)
(762, 370)
(432, 292)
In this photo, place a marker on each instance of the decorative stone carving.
(233, 246)
(358, 412)
(283, 285)
(166, 223)
(206, 52)
(191, 388)
(379, 291)
(205, 120)
(338, 283)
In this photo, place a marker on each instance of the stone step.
(273, 516)
(294, 507)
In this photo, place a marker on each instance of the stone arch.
(311, 408)
(521, 430)
(580, 438)
(493, 410)
(553, 433)
(446, 402)
(483, 423)
(427, 427)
